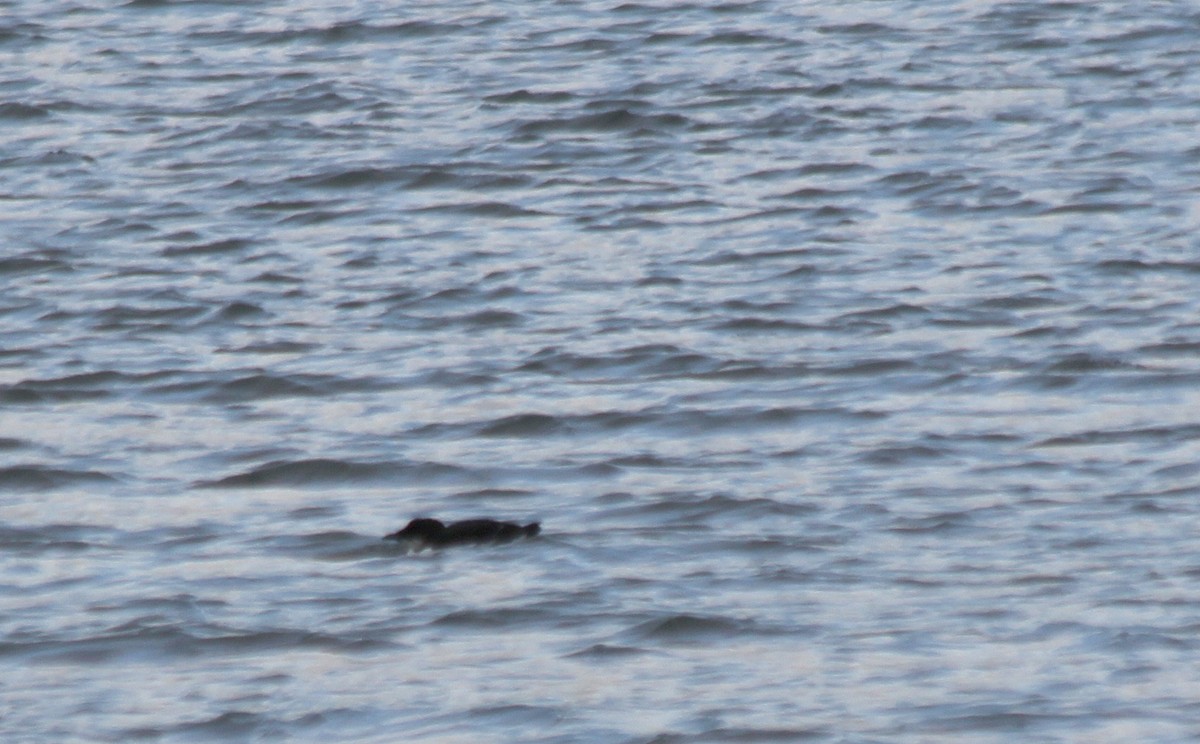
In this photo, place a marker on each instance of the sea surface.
(848, 352)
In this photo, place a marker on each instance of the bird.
(432, 533)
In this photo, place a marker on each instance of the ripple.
(880, 319)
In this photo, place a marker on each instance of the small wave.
(902, 455)
(1040, 579)
(647, 360)
(516, 713)
(494, 618)
(466, 176)
(457, 296)
(239, 310)
(480, 320)
(659, 281)
(240, 641)
(332, 545)
(911, 181)
(526, 96)
(833, 169)
(753, 324)
(689, 509)
(462, 176)
(1005, 721)
(323, 471)
(723, 735)
(1182, 433)
(739, 38)
(595, 470)
(1095, 208)
(146, 639)
(276, 205)
(1184, 349)
(1083, 362)
(864, 28)
(606, 651)
(604, 423)
(937, 523)
(687, 629)
(612, 120)
(496, 209)
(489, 494)
(70, 388)
(314, 512)
(235, 724)
(243, 725)
(274, 277)
(1130, 266)
(258, 385)
(872, 368)
(1020, 301)
(32, 264)
(151, 317)
(34, 540)
(727, 257)
(525, 424)
(455, 379)
(591, 44)
(215, 247)
(647, 460)
(36, 477)
(813, 194)
(941, 122)
(168, 3)
(491, 318)
(17, 110)
(280, 108)
(342, 32)
(898, 310)
(668, 206)
(348, 178)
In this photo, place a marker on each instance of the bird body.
(433, 533)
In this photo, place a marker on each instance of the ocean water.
(849, 354)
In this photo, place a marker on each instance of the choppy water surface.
(849, 353)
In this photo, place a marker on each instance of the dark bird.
(431, 533)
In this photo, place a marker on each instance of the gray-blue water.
(849, 353)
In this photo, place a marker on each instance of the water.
(848, 353)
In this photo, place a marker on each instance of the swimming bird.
(432, 533)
